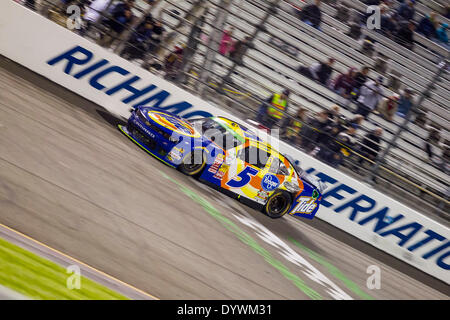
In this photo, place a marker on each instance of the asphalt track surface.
(71, 180)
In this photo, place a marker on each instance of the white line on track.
(283, 249)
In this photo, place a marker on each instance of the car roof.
(240, 129)
(253, 139)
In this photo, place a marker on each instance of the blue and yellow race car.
(226, 156)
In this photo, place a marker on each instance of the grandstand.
(266, 69)
(281, 43)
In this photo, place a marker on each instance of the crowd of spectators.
(356, 86)
(331, 137)
(232, 48)
(111, 23)
(398, 23)
(328, 135)
(144, 39)
(120, 17)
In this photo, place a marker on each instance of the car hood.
(170, 121)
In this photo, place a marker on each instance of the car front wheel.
(278, 204)
(193, 163)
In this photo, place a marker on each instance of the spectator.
(239, 49)
(348, 142)
(226, 44)
(334, 150)
(441, 34)
(120, 6)
(427, 26)
(407, 11)
(313, 133)
(371, 94)
(173, 63)
(368, 46)
(345, 83)
(370, 146)
(93, 14)
(356, 122)
(319, 71)
(312, 15)
(405, 102)
(337, 120)
(432, 142)
(354, 31)
(360, 79)
(388, 107)
(447, 12)
(156, 36)
(194, 37)
(334, 113)
(44, 7)
(421, 118)
(138, 42)
(120, 19)
(327, 126)
(388, 23)
(272, 110)
(294, 126)
(405, 34)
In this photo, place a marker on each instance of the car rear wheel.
(278, 204)
(193, 163)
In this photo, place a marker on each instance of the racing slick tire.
(193, 163)
(278, 204)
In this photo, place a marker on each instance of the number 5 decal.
(242, 178)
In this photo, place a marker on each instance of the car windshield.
(223, 136)
(312, 180)
(278, 167)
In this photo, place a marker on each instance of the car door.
(245, 168)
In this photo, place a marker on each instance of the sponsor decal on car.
(175, 154)
(216, 164)
(144, 129)
(306, 205)
(221, 172)
(263, 194)
(270, 182)
(175, 124)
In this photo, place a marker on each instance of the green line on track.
(39, 278)
(247, 239)
(334, 271)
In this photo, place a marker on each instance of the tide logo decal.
(306, 205)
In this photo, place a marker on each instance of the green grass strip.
(39, 278)
(247, 239)
(334, 271)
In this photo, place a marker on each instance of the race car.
(228, 157)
